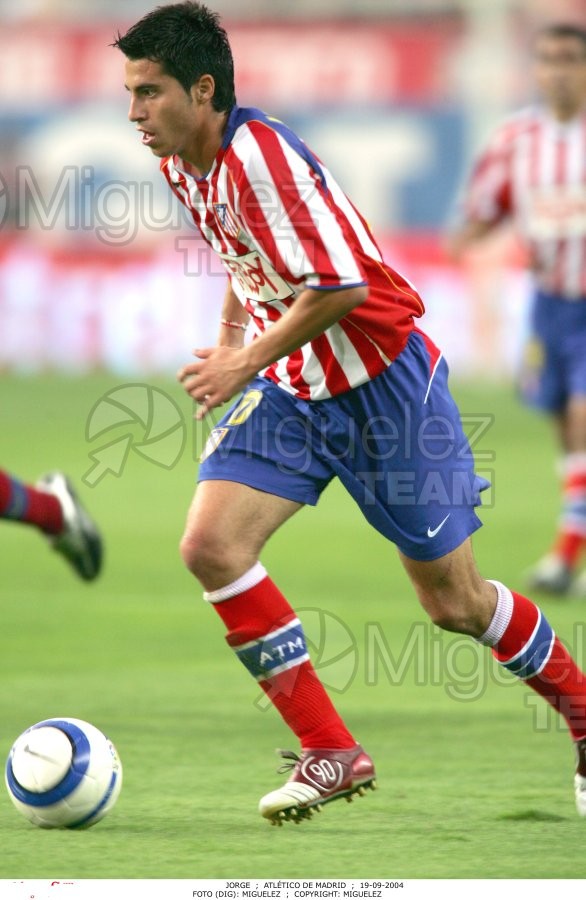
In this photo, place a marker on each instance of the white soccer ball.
(63, 773)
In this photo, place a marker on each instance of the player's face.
(169, 119)
(560, 68)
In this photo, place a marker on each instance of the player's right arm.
(487, 199)
(466, 236)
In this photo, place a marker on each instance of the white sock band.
(502, 616)
(244, 583)
(574, 463)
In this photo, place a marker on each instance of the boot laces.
(287, 766)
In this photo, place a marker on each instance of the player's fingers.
(183, 373)
(188, 381)
(209, 402)
(196, 388)
(201, 411)
(187, 371)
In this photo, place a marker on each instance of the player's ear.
(203, 90)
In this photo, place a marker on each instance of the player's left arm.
(220, 372)
(234, 320)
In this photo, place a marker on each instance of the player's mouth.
(147, 138)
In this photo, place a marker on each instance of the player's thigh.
(452, 591)
(408, 464)
(234, 515)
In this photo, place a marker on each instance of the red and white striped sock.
(523, 641)
(571, 536)
(267, 637)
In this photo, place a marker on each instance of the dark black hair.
(188, 42)
(563, 30)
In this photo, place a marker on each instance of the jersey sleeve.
(488, 194)
(284, 204)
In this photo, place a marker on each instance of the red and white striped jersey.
(534, 170)
(280, 223)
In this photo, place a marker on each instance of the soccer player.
(53, 507)
(338, 382)
(534, 172)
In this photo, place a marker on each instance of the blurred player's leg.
(53, 507)
(79, 540)
(24, 503)
(571, 539)
(555, 572)
(572, 525)
(554, 381)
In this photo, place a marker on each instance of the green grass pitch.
(475, 780)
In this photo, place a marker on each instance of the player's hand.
(218, 374)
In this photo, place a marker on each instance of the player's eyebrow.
(142, 87)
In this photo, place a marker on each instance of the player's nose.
(134, 111)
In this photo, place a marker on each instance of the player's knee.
(462, 614)
(202, 552)
(447, 618)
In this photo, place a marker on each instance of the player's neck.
(201, 152)
(567, 113)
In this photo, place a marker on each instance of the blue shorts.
(396, 443)
(554, 363)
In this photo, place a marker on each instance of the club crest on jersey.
(226, 220)
(215, 437)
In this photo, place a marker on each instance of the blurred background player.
(53, 507)
(335, 349)
(534, 171)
